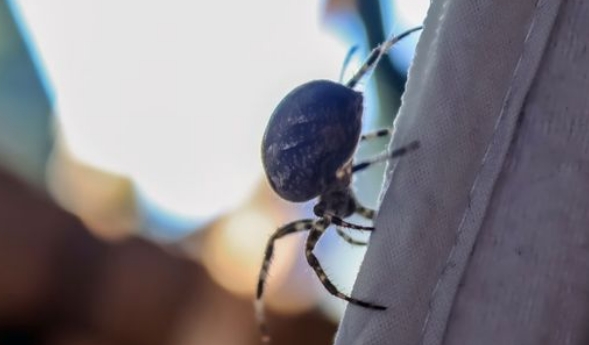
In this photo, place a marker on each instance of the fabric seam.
(503, 116)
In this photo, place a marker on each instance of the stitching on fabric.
(502, 114)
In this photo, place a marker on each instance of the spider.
(307, 152)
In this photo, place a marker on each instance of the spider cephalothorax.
(307, 152)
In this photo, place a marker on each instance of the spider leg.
(347, 60)
(340, 222)
(376, 54)
(401, 151)
(376, 134)
(365, 211)
(348, 238)
(290, 228)
(315, 233)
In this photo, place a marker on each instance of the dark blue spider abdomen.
(312, 133)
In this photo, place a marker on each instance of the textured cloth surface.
(483, 233)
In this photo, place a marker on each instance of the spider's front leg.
(290, 228)
(365, 212)
(340, 224)
(348, 238)
(361, 210)
(315, 233)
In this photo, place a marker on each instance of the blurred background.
(133, 204)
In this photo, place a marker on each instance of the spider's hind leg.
(376, 54)
(396, 153)
(376, 134)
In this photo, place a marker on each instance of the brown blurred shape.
(61, 285)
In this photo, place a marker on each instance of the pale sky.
(176, 94)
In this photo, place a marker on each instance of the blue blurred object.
(25, 106)
(164, 225)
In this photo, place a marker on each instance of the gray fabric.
(483, 233)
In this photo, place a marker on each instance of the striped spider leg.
(331, 208)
